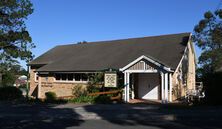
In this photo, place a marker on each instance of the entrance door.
(148, 85)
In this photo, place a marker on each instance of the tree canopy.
(208, 37)
(15, 41)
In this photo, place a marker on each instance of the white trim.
(128, 87)
(166, 86)
(35, 76)
(133, 87)
(189, 42)
(62, 81)
(75, 72)
(148, 59)
(162, 86)
(170, 83)
(141, 71)
(70, 81)
(125, 87)
(181, 59)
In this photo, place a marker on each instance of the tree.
(208, 37)
(15, 41)
(8, 79)
(83, 42)
(11, 72)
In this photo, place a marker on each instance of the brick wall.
(33, 83)
(60, 88)
(48, 83)
(180, 88)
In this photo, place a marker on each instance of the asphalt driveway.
(118, 116)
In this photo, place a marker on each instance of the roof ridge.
(105, 41)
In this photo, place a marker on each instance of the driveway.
(113, 116)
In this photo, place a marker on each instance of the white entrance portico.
(145, 78)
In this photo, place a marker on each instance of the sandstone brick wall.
(60, 88)
(48, 83)
(33, 83)
(191, 77)
(179, 87)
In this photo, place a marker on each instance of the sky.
(58, 22)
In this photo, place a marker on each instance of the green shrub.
(83, 99)
(93, 89)
(8, 79)
(95, 82)
(78, 91)
(97, 78)
(10, 93)
(102, 99)
(50, 96)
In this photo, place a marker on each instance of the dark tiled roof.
(94, 56)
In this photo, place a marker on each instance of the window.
(58, 76)
(64, 77)
(70, 77)
(84, 77)
(36, 77)
(76, 77)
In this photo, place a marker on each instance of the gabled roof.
(94, 56)
(142, 58)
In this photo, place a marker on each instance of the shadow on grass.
(37, 116)
(52, 116)
(159, 116)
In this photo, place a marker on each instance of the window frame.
(36, 76)
(72, 81)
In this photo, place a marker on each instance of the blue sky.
(57, 22)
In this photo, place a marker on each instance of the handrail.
(98, 93)
(105, 92)
(118, 97)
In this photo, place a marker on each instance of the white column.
(162, 86)
(39, 87)
(128, 88)
(125, 87)
(166, 86)
(171, 87)
(132, 90)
